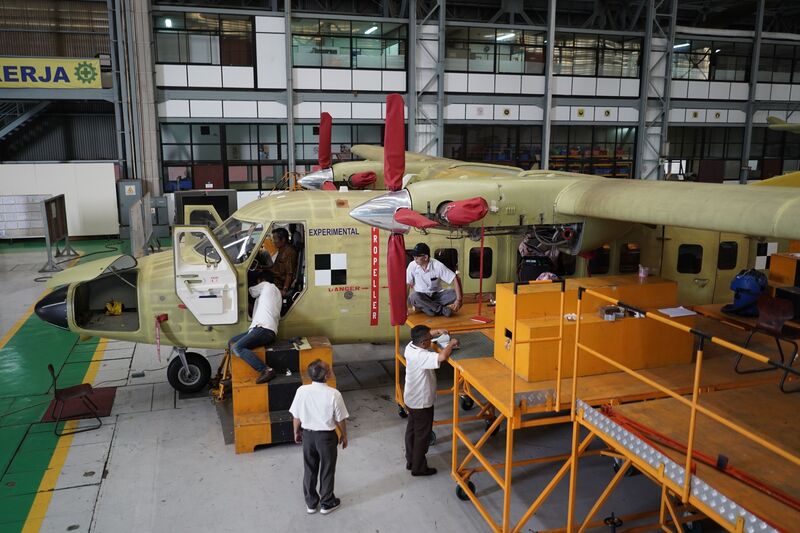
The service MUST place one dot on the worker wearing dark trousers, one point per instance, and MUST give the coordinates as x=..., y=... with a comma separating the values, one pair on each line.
x=420, y=393
x=318, y=411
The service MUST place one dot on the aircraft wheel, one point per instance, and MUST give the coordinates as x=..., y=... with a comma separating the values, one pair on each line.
x=402, y=413
x=467, y=403
x=461, y=495
x=193, y=379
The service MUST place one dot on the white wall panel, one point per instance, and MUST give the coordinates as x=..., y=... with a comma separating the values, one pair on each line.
x=239, y=109
x=508, y=83
x=307, y=110
x=383, y=112
x=171, y=76
x=739, y=91
x=306, y=78
x=677, y=115
x=584, y=86
x=367, y=110
x=270, y=24
x=480, y=83
x=760, y=117
x=530, y=112
x=717, y=115
x=608, y=86
x=367, y=80
x=271, y=110
x=679, y=89
x=338, y=110
x=479, y=112
x=581, y=113
x=336, y=80
x=532, y=84
x=719, y=90
x=629, y=87
x=561, y=113
x=205, y=76
x=455, y=111
x=763, y=91
x=506, y=112
x=605, y=114
x=394, y=80
x=736, y=116
x=695, y=115
x=455, y=82
x=174, y=108
x=205, y=108
x=795, y=94
x=628, y=114
x=271, y=60
x=698, y=90
x=239, y=77
x=780, y=91
x=89, y=189
x=562, y=85
x=430, y=110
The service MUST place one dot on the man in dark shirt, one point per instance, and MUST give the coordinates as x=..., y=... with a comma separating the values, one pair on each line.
x=285, y=264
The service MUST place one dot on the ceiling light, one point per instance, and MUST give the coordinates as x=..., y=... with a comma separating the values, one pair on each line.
x=371, y=30
x=682, y=45
x=718, y=50
x=168, y=23
x=506, y=36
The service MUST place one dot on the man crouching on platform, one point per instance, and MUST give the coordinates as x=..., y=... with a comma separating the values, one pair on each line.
x=420, y=393
x=423, y=275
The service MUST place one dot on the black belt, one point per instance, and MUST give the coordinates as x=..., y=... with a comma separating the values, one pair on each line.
x=320, y=430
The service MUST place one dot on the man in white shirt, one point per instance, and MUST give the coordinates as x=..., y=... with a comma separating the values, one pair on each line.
x=263, y=329
x=318, y=411
x=423, y=275
x=420, y=393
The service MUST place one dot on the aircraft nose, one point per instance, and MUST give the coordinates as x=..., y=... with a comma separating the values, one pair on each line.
x=53, y=308
x=379, y=212
x=314, y=180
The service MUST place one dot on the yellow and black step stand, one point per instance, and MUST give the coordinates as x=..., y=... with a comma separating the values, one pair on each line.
x=261, y=411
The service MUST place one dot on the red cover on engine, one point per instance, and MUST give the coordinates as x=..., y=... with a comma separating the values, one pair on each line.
x=463, y=212
x=394, y=143
x=409, y=217
x=362, y=180
x=396, y=275
x=329, y=186
x=324, y=150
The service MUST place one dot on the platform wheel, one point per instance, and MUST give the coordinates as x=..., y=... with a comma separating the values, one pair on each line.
x=489, y=422
x=401, y=412
x=461, y=495
x=467, y=403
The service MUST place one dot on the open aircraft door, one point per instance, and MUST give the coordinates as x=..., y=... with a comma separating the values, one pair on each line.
x=205, y=279
x=690, y=259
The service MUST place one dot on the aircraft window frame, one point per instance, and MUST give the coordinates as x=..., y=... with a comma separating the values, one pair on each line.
x=629, y=250
x=222, y=233
x=728, y=255
x=688, y=250
x=474, y=262
x=443, y=255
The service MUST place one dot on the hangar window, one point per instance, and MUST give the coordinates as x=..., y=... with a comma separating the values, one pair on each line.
x=690, y=258
x=346, y=44
x=494, y=50
x=519, y=146
x=577, y=54
x=475, y=263
x=448, y=256
x=203, y=39
x=697, y=59
x=600, y=150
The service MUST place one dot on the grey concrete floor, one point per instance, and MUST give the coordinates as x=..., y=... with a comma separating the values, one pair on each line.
x=160, y=462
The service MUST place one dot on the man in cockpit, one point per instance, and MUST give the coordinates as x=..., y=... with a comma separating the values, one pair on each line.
x=263, y=329
x=284, y=266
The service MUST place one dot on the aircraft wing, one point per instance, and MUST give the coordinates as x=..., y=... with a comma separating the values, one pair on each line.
x=375, y=153
x=757, y=211
x=781, y=125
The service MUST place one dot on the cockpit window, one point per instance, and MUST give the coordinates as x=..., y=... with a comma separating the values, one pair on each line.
x=238, y=238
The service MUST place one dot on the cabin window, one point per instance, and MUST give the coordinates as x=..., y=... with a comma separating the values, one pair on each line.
x=475, y=263
x=448, y=256
x=690, y=258
x=629, y=258
x=727, y=256
x=601, y=262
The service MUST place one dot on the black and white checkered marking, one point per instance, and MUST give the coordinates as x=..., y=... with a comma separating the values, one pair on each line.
x=763, y=251
x=330, y=269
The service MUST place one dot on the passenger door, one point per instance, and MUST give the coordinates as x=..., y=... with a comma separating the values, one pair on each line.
x=690, y=259
x=205, y=279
